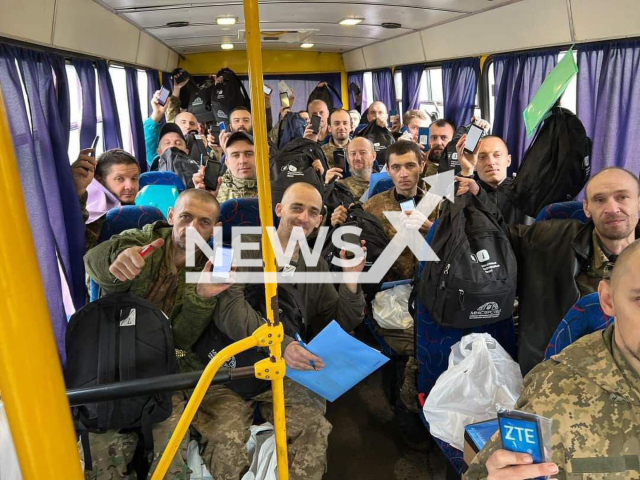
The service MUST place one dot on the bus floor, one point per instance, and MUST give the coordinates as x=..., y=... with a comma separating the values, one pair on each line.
x=367, y=442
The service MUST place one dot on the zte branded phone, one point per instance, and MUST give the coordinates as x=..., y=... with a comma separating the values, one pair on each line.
x=222, y=262
x=408, y=205
x=520, y=433
x=473, y=137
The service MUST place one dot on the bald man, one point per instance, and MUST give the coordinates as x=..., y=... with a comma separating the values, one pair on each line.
x=225, y=416
x=118, y=266
x=591, y=390
x=360, y=156
x=560, y=261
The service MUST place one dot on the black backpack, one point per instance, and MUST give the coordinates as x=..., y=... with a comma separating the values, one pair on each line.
x=380, y=137
x=293, y=164
x=327, y=94
x=114, y=339
x=292, y=126
x=231, y=92
x=175, y=160
x=556, y=166
x=292, y=314
x=336, y=194
x=474, y=283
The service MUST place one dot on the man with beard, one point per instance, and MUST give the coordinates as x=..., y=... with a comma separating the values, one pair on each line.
x=109, y=182
x=339, y=128
x=360, y=155
x=117, y=266
x=560, y=261
x=239, y=121
x=440, y=134
x=591, y=390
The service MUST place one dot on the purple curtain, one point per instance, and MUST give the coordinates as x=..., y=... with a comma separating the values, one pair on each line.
x=518, y=78
x=135, y=117
x=358, y=79
x=153, y=85
x=460, y=85
x=411, y=76
x=110, y=119
x=609, y=103
x=383, y=89
x=167, y=81
x=45, y=176
x=87, y=77
x=58, y=64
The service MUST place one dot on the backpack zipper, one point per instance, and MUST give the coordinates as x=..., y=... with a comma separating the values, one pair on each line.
x=445, y=273
x=461, y=298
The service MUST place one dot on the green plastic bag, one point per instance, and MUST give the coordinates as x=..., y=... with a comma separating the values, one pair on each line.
x=550, y=91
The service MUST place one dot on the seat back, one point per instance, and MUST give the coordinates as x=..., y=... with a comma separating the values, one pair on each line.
x=162, y=178
x=563, y=210
x=585, y=317
x=238, y=212
x=379, y=182
x=163, y=197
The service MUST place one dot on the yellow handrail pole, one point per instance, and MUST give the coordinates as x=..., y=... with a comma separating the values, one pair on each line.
x=345, y=90
x=195, y=400
x=254, y=54
x=31, y=381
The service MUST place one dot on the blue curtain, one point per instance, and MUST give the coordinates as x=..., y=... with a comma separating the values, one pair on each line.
x=110, y=119
x=411, y=76
x=135, y=117
x=358, y=79
x=383, y=89
x=460, y=85
x=45, y=177
x=167, y=81
x=58, y=64
x=153, y=85
x=609, y=103
x=518, y=78
x=87, y=77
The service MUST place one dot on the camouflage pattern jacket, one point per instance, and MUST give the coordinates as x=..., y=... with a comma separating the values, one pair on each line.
x=355, y=185
x=233, y=187
x=593, y=395
x=328, y=149
x=191, y=314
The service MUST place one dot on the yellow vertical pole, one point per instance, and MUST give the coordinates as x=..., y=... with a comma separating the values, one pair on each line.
x=254, y=54
x=345, y=90
x=31, y=381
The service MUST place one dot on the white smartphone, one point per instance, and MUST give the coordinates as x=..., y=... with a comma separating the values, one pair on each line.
x=222, y=262
x=408, y=205
x=473, y=137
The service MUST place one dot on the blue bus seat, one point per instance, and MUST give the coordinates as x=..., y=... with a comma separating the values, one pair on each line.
x=379, y=182
x=585, y=317
x=162, y=178
x=563, y=210
x=238, y=212
x=163, y=197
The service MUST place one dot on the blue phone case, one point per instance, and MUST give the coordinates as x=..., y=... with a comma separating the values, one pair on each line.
x=222, y=126
x=521, y=435
x=423, y=136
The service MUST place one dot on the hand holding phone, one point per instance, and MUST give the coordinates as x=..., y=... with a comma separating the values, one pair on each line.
x=267, y=89
x=211, y=174
x=408, y=205
x=520, y=433
x=222, y=262
x=284, y=100
x=94, y=145
x=423, y=136
x=315, y=123
x=473, y=138
x=164, y=96
x=338, y=159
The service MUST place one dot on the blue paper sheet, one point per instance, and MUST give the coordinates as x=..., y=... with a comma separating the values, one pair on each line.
x=347, y=362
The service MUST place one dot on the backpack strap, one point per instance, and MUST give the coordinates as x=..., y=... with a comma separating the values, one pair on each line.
x=127, y=353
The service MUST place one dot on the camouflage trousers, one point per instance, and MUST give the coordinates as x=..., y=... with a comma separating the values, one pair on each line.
x=112, y=451
x=224, y=419
x=401, y=341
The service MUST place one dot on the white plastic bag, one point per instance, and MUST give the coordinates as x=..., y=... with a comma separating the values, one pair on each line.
x=262, y=451
x=391, y=308
x=480, y=374
x=196, y=463
x=9, y=467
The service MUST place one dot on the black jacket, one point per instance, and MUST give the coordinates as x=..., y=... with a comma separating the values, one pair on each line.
x=511, y=214
x=550, y=254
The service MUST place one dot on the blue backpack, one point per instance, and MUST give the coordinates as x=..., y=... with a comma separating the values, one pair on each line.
x=291, y=127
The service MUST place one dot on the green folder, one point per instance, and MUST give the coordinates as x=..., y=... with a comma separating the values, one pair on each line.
x=550, y=91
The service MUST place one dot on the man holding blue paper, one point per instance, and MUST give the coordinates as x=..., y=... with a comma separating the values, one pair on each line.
x=226, y=415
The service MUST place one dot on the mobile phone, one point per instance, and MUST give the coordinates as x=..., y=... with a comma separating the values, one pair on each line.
x=222, y=262
x=338, y=159
x=315, y=123
x=520, y=433
x=423, y=136
x=211, y=174
x=284, y=99
x=164, y=96
x=267, y=89
x=94, y=145
x=215, y=131
x=350, y=238
x=283, y=87
x=354, y=88
x=473, y=137
x=408, y=205
x=222, y=126
x=181, y=76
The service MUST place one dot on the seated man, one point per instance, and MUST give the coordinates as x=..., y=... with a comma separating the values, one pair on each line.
x=583, y=254
x=360, y=156
x=318, y=107
x=224, y=416
x=239, y=181
x=117, y=266
x=491, y=161
x=441, y=132
x=591, y=391
x=378, y=111
x=339, y=128
x=240, y=120
x=109, y=182
x=355, y=120
x=153, y=133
